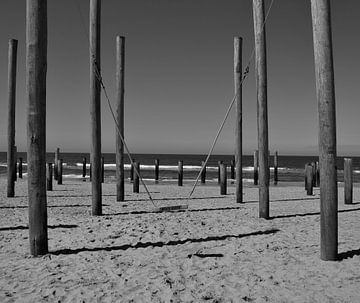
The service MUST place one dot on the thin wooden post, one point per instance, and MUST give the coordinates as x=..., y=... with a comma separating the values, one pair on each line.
x=102, y=169
x=180, y=173
x=219, y=164
x=12, y=62
x=232, y=169
x=120, y=91
x=36, y=65
x=223, y=179
x=60, y=171
x=157, y=170
x=49, y=176
x=309, y=179
x=317, y=174
x=15, y=163
x=203, y=173
x=20, y=167
x=84, y=168
x=276, y=168
x=95, y=106
x=136, y=184
x=132, y=170
x=262, y=116
x=313, y=165
x=348, y=181
x=238, y=125
x=56, y=159
x=256, y=167
x=324, y=74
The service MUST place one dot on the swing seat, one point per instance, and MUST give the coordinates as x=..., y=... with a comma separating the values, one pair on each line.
x=172, y=208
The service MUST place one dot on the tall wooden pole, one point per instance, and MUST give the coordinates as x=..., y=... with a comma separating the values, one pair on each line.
x=180, y=173
x=223, y=179
x=120, y=88
x=238, y=126
x=36, y=65
x=12, y=62
x=348, y=181
x=136, y=183
x=203, y=173
x=325, y=91
x=95, y=90
x=157, y=162
x=262, y=116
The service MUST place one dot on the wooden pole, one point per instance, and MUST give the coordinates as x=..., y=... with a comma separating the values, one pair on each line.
x=262, y=116
x=256, y=167
x=90, y=172
x=157, y=162
x=20, y=167
x=136, y=178
x=219, y=164
x=95, y=107
x=102, y=169
x=203, y=173
x=12, y=62
x=223, y=179
x=180, y=173
x=132, y=171
x=60, y=171
x=49, y=176
x=238, y=125
x=120, y=90
x=36, y=65
x=276, y=168
x=232, y=169
x=84, y=168
x=317, y=174
x=14, y=167
x=309, y=179
x=324, y=74
x=348, y=181
x=56, y=159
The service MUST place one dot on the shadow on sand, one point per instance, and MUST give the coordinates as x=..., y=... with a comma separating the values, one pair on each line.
x=27, y=227
x=311, y=214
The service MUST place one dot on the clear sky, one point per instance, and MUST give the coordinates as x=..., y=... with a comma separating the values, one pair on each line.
x=179, y=74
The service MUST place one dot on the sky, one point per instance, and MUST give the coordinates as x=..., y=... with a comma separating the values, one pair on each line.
x=179, y=75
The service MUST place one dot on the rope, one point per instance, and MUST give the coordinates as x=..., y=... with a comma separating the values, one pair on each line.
x=246, y=72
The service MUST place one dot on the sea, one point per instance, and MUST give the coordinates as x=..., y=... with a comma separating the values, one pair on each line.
x=290, y=168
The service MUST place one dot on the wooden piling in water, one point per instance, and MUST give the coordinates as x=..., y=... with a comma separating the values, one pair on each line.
x=276, y=168
x=36, y=65
x=95, y=106
x=348, y=181
x=12, y=63
x=324, y=74
x=223, y=179
x=203, y=173
x=20, y=167
x=84, y=167
x=56, y=159
x=262, y=116
x=180, y=173
x=60, y=171
x=309, y=179
x=157, y=162
x=256, y=167
x=49, y=176
x=120, y=91
x=238, y=123
x=136, y=183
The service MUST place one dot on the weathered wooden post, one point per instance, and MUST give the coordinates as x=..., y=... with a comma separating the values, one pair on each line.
x=20, y=167
x=313, y=165
x=132, y=170
x=12, y=62
x=219, y=164
x=49, y=176
x=348, y=181
x=232, y=169
x=317, y=174
x=36, y=65
x=276, y=168
x=180, y=173
x=223, y=179
x=120, y=91
x=256, y=167
x=157, y=170
x=84, y=167
x=60, y=171
x=203, y=173
x=56, y=159
x=309, y=179
x=262, y=116
x=324, y=74
x=238, y=125
x=136, y=178
x=102, y=169
x=15, y=163
x=95, y=107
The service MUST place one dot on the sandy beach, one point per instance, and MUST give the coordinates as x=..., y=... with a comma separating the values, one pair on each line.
x=217, y=251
